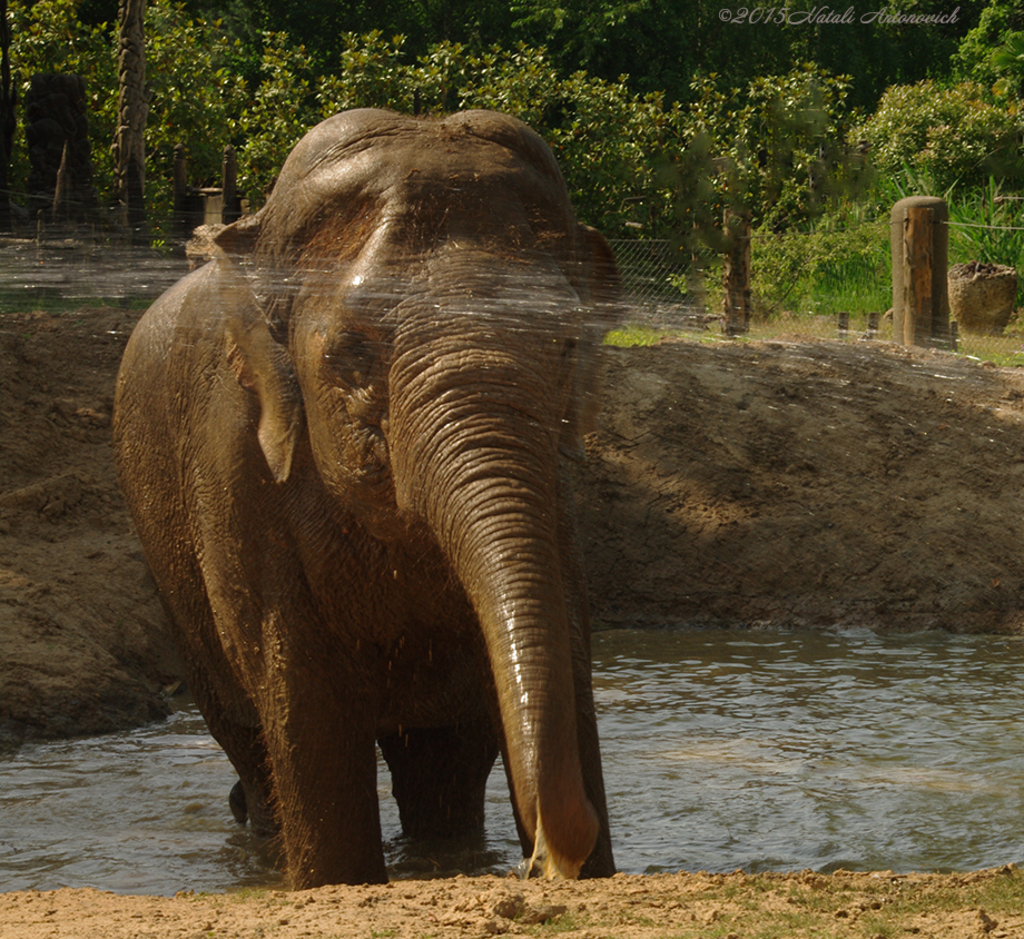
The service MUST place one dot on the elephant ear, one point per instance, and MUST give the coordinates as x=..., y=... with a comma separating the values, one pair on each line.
x=599, y=289
x=261, y=363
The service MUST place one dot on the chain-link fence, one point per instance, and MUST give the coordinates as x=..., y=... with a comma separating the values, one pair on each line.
x=664, y=293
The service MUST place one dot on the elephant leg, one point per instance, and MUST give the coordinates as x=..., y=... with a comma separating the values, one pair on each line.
x=601, y=863
x=324, y=765
x=439, y=777
x=252, y=798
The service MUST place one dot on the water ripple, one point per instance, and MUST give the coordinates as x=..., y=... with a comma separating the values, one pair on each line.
x=722, y=750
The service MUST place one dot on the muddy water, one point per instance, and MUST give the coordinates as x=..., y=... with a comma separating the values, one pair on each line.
x=723, y=750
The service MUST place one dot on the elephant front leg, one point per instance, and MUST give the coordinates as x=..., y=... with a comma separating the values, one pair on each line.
x=324, y=765
x=439, y=777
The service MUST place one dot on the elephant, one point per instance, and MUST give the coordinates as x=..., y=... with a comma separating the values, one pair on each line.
x=345, y=445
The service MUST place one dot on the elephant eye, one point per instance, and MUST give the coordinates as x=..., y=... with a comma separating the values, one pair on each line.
x=351, y=357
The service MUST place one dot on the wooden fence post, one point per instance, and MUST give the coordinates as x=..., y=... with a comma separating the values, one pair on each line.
x=919, y=240
x=918, y=301
x=736, y=273
x=229, y=183
x=181, y=226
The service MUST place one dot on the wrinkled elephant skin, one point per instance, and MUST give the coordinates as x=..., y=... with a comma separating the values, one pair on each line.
x=342, y=443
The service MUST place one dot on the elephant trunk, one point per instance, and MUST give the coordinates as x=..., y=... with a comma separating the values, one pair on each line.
x=474, y=455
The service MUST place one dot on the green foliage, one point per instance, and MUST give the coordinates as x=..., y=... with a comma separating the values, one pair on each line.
x=1008, y=63
x=841, y=264
x=283, y=107
x=192, y=98
x=191, y=92
x=973, y=59
x=953, y=135
x=776, y=146
x=372, y=73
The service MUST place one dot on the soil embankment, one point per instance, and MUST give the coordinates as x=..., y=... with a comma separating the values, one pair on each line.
x=803, y=484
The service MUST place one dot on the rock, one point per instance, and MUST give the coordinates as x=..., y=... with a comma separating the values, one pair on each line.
x=981, y=296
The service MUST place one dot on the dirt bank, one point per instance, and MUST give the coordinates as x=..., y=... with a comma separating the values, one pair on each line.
x=798, y=483
x=680, y=906
x=808, y=484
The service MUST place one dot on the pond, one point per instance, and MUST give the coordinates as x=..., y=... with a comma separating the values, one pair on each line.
x=723, y=749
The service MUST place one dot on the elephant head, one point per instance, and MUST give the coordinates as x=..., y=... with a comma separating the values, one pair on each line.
x=414, y=316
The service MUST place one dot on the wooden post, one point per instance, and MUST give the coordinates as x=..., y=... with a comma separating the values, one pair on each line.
x=844, y=324
x=736, y=273
x=182, y=229
x=917, y=276
x=60, y=211
x=919, y=244
x=132, y=107
x=229, y=184
x=8, y=117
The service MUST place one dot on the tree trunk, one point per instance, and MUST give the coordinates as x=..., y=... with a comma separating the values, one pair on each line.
x=129, y=146
x=8, y=118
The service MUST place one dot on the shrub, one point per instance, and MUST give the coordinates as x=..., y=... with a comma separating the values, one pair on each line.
x=777, y=144
x=841, y=263
x=952, y=135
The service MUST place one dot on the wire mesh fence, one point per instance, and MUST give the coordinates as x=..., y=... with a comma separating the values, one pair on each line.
x=664, y=293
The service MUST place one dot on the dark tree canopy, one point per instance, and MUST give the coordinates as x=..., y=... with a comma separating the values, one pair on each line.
x=660, y=44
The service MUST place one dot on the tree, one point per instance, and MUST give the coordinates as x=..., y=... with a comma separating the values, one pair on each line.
x=8, y=117
x=1008, y=63
x=950, y=135
x=132, y=106
x=997, y=22
x=778, y=144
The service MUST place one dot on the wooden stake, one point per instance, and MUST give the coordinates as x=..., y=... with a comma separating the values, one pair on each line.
x=917, y=276
x=736, y=273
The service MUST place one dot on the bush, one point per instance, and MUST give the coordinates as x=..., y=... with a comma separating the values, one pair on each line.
x=841, y=264
x=778, y=145
x=950, y=135
x=283, y=107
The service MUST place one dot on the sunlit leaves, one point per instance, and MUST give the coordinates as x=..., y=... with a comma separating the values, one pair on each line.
x=952, y=135
x=779, y=144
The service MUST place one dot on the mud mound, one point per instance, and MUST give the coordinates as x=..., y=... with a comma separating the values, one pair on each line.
x=83, y=643
x=804, y=484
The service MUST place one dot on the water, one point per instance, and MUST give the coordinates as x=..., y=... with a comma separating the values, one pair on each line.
x=756, y=750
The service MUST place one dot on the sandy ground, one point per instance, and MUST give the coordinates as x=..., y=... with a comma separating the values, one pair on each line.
x=681, y=906
x=780, y=483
